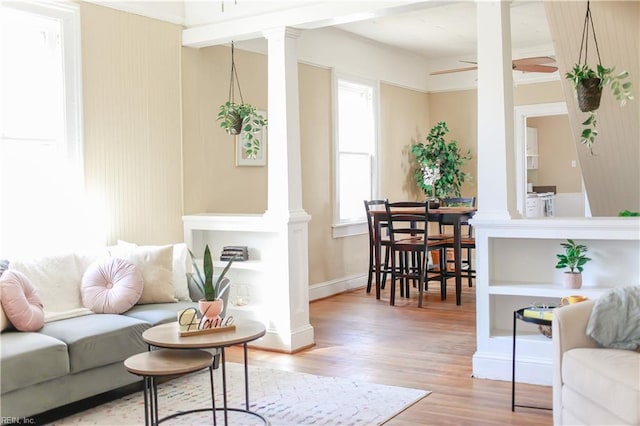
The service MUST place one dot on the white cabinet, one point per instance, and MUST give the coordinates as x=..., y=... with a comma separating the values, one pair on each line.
x=516, y=267
x=531, y=142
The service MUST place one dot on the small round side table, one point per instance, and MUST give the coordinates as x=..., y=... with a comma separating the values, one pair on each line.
x=167, y=362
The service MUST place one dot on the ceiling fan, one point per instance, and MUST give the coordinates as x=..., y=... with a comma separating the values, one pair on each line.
x=534, y=64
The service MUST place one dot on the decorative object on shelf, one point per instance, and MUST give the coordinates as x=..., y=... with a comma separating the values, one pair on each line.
x=570, y=300
x=238, y=253
x=241, y=296
x=589, y=83
x=212, y=304
x=241, y=118
x=574, y=259
x=438, y=172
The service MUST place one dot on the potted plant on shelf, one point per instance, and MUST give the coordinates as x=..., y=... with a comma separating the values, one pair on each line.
x=212, y=304
x=574, y=259
x=439, y=164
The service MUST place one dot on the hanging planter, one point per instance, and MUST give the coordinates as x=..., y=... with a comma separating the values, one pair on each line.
x=240, y=118
x=589, y=93
x=589, y=83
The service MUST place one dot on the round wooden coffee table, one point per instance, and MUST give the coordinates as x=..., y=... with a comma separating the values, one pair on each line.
x=168, y=336
x=166, y=362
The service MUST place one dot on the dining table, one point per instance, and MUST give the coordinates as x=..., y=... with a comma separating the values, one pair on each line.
x=457, y=214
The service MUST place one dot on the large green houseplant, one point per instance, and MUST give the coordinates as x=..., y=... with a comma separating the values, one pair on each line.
x=244, y=120
x=439, y=164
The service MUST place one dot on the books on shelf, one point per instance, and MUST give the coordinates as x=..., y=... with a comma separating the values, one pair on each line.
x=241, y=253
x=545, y=313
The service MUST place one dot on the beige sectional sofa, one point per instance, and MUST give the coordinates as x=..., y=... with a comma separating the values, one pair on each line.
x=77, y=353
x=592, y=385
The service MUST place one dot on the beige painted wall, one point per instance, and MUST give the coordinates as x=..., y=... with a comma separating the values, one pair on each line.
x=132, y=123
x=212, y=181
x=556, y=151
x=404, y=119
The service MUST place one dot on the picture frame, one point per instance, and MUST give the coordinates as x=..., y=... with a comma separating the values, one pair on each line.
x=241, y=154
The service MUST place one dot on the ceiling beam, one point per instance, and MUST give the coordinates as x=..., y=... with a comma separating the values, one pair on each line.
x=313, y=15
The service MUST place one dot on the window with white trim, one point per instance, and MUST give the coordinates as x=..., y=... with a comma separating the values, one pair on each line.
x=41, y=162
x=356, y=136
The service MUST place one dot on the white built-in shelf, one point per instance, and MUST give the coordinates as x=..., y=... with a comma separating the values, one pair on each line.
x=516, y=267
x=246, y=265
x=542, y=290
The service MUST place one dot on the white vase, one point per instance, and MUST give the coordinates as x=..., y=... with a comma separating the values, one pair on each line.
x=572, y=280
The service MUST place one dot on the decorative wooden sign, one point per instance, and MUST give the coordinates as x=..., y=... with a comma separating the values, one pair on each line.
x=190, y=325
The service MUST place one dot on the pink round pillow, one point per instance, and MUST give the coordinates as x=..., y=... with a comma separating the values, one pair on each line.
x=21, y=301
x=111, y=287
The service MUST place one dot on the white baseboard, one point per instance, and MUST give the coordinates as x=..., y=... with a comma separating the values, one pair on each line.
x=536, y=371
x=329, y=288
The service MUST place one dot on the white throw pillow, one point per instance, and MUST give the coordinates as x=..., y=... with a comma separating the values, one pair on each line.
x=179, y=267
x=156, y=265
x=58, y=280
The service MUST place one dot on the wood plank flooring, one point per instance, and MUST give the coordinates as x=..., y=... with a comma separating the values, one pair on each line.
x=363, y=338
x=366, y=339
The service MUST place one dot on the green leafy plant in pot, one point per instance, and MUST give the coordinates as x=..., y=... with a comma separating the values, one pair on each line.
x=588, y=85
x=212, y=304
x=242, y=119
x=439, y=164
x=573, y=258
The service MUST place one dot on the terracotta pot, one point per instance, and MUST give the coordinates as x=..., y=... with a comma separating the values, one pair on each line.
x=572, y=280
x=211, y=309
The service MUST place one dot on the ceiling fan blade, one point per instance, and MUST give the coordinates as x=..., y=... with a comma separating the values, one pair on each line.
x=453, y=70
x=538, y=60
x=535, y=68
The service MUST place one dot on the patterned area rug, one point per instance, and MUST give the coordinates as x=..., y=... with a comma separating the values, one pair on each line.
x=282, y=397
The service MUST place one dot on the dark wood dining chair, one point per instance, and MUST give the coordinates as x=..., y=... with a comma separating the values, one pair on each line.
x=410, y=247
x=369, y=206
x=468, y=241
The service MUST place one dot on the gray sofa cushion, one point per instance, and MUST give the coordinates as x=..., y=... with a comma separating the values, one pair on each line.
x=99, y=339
x=159, y=313
x=31, y=358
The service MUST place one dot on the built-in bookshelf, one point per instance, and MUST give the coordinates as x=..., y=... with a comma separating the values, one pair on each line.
x=274, y=262
x=516, y=267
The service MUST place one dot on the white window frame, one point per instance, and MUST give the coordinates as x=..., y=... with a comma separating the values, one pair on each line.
x=356, y=227
x=68, y=14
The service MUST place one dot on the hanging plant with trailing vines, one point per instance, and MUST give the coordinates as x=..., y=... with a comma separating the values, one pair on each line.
x=240, y=118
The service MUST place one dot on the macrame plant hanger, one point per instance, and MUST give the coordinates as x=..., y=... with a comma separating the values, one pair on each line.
x=233, y=82
x=589, y=92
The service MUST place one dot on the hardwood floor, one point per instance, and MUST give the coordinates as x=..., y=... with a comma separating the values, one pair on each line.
x=366, y=339
x=362, y=338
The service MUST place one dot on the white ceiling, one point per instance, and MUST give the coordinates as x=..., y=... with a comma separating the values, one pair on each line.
x=450, y=29
x=431, y=29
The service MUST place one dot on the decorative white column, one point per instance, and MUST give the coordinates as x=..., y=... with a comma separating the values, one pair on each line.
x=286, y=301
x=496, y=152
